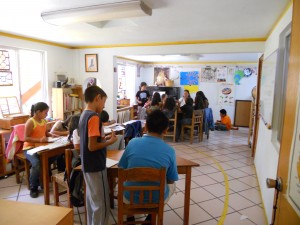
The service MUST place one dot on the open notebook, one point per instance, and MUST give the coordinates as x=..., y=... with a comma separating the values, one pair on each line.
x=110, y=162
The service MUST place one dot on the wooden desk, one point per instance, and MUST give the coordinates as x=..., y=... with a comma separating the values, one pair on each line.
x=13, y=212
x=184, y=166
x=44, y=156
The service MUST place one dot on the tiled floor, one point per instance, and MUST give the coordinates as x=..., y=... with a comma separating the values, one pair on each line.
x=224, y=188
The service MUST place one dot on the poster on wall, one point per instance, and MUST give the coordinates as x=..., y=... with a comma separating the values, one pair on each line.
x=208, y=74
x=294, y=168
x=226, y=94
x=189, y=78
x=221, y=74
x=161, y=74
x=191, y=88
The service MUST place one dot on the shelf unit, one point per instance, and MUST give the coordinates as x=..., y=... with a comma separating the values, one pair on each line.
x=66, y=101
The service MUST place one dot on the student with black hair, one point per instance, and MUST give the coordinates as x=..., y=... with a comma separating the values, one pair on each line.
x=182, y=100
x=142, y=96
x=73, y=131
x=225, y=122
x=104, y=116
x=151, y=151
x=60, y=127
x=186, y=118
x=36, y=132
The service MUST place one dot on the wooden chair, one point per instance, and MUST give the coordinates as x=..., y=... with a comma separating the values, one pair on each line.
x=58, y=179
x=172, y=122
x=20, y=157
x=197, y=121
x=149, y=207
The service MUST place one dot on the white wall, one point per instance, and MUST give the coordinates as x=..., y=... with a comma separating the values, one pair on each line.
x=58, y=60
x=266, y=156
x=211, y=90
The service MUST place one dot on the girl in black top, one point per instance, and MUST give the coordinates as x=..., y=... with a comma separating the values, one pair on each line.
x=187, y=114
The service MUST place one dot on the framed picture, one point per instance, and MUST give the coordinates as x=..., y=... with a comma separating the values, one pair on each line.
x=91, y=63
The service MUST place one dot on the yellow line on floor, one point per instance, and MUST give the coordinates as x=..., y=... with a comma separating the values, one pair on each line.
x=225, y=208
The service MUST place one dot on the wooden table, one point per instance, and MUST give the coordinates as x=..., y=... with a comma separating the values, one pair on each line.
x=44, y=157
x=25, y=213
x=184, y=166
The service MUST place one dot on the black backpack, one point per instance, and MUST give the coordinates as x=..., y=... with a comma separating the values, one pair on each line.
x=76, y=183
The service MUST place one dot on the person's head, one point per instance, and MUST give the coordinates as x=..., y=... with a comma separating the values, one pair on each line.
x=199, y=104
x=96, y=97
x=143, y=86
x=189, y=101
x=40, y=110
x=66, y=122
x=163, y=97
x=155, y=99
x=186, y=94
x=104, y=117
x=157, y=122
x=73, y=125
x=223, y=112
x=201, y=94
x=170, y=104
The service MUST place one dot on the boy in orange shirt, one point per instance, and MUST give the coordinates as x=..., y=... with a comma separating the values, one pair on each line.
x=224, y=123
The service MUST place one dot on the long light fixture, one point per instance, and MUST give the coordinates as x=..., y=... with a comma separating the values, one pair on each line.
x=94, y=13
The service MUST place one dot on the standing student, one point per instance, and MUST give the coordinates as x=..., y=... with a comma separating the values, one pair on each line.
x=151, y=151
x=36, y=132
x=142, y=96
x=93, y=156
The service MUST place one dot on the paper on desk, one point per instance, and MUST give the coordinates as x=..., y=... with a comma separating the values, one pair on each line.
x=110, y=162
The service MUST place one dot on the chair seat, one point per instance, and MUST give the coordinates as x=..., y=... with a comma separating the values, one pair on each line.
x=59, y=178
x=21, y=157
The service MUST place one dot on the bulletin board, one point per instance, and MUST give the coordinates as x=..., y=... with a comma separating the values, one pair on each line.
x=267, y=86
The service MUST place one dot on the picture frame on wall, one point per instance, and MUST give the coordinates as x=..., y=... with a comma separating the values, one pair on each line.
x=91, y=63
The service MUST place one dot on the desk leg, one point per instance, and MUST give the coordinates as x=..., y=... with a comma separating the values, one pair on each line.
x=45, y=169
x=187, y=195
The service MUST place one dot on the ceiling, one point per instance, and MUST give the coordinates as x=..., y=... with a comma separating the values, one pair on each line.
x=171, y=21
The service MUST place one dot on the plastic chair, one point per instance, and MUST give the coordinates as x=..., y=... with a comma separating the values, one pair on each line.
x=197, y=121
x=143, y=206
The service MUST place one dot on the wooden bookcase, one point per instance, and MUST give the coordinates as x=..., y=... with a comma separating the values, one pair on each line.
x=66, y=101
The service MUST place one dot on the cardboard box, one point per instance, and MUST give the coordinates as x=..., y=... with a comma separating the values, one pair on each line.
x=8, y=122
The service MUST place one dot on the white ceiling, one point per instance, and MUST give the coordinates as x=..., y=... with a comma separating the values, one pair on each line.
x=171, y=21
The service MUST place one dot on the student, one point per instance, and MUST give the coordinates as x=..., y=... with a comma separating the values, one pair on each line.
x=73, y=131
x=225, y=122
x=186, y=94
x=93, y=156
x=36, y=132
x=151, y=151
x=142, y=96
x=163, y=99
x=201, y=101
x=105, y=119
x=169, y=107
x=186, y=118
x=60, y=127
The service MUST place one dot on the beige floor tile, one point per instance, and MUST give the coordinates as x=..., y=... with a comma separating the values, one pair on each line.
x=237, y=186
x=248, y=169
x=207, y=161
x=200, y=195
x=235, y=156
x=216, y=190
x=224, y=165
x=237, y=202
x=197, y=214
x=252, y=194
x=235, y=173
x=181, y=185
x=222, y=158
x=249, y=180
x=207, y=169
x=255, y=214
x=236, y=219
x=203, y=180
x=235, y=163
x=196, y=171
x=8, y=182
x=171, y=217
x=209, y=222
x=8, y=192
x=214, y=207
x=224, y=151
x=177, y=200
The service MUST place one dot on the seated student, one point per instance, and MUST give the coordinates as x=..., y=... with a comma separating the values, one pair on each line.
x=36, y=132
x=186, y=118
x=224, y=123
x=73, y=131
x=163, y=99
x=155, y=103
x=60, y=127
x=169, y=107
x=119, y=144
x=151, y=151
x=201, y=101
x=181, y=101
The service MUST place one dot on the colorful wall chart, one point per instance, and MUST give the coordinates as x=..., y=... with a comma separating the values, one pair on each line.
x=226, y=94
x=208, y=74
x=189, y=78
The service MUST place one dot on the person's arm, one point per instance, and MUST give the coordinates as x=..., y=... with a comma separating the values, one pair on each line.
x=172, y=173
x=59, y=133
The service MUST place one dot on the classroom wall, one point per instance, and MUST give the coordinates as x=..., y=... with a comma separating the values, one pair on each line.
x=58, y=60
x=211, y=90
x=266, y=156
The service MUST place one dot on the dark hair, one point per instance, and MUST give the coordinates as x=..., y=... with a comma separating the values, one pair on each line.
x=143, y=84
x=91, y=92
x=66, y=122
x=223, y=111
x=201, y=94
x=189, y=101
x=163, y=95
x=170, y=104
x=104, y=117
x=199, y=102
x=157, y=122
x=40, y=106
x=74, y=122
x=187, y=91
x=156, y=99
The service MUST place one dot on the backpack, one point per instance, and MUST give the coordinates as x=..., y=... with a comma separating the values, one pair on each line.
x=76, y=183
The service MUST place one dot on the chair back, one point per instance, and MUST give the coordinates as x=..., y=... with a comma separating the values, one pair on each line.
x=172, y=121
x=70, y=155
x=145, y=203
x=198, y=116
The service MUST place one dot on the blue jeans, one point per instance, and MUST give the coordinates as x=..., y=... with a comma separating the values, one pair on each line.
x=35, y=168
x=220, y=126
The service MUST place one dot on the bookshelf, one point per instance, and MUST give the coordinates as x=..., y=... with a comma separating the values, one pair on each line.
x=66, y=101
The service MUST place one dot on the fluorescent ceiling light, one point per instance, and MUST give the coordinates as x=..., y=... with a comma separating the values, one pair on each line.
x=96, y=13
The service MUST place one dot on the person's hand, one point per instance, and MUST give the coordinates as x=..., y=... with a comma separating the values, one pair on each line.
x=43, y=139
x=113, y=137
x=112, y=121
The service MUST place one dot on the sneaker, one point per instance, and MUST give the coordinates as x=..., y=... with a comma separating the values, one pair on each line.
x=34, y=193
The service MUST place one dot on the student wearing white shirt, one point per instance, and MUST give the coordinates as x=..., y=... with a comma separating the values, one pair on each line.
x=73, y=131
x=181, y=101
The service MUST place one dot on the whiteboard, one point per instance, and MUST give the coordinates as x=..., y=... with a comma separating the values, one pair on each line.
x=267, y=86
